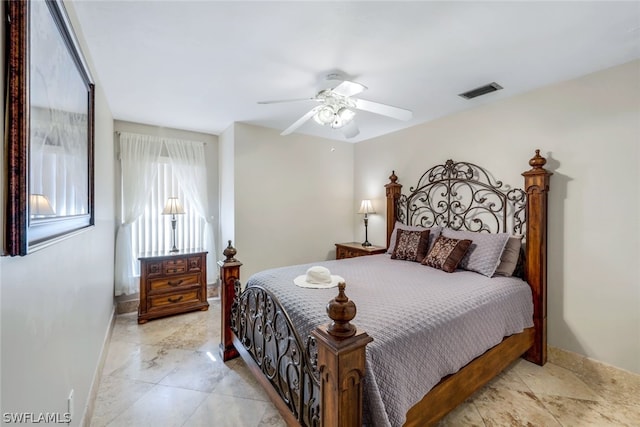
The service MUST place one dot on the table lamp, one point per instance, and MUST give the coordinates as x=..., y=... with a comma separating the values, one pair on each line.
x=173, y=207
x=366, y=208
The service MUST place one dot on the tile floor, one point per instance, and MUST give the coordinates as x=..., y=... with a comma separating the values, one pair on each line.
x=168, y=373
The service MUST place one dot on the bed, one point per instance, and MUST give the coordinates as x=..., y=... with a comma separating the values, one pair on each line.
x=418, y=350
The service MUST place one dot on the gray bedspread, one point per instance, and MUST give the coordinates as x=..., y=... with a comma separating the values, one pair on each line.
x=425, y=323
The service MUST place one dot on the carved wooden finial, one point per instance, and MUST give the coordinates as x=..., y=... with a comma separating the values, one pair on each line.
x=537, y=162
x=230, y=253
x=393, y=178
x=341, y=310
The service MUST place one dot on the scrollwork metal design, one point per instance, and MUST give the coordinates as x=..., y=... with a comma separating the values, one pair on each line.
x=237, y=289
x=463, y=196
x=289, y=363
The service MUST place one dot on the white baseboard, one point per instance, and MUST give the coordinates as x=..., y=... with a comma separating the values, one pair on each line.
x=97, y=375
x=581, y=364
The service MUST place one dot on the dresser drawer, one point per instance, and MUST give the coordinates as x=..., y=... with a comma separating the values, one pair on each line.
x=194, y=263
x=174, y=266
x=174, y=282
x=342, y=253
x=167, y=300
x=153, y=268
x=353, y=249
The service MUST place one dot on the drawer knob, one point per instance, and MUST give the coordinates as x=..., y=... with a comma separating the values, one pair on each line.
x=176, y=283
x=175, y=299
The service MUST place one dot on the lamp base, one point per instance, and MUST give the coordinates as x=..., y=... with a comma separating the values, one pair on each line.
x=173, y=234
x=366, y=232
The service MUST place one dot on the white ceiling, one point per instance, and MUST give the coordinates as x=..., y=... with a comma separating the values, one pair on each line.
x=202, y=65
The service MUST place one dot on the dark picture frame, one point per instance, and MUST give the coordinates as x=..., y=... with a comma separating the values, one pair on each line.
x=49, y=128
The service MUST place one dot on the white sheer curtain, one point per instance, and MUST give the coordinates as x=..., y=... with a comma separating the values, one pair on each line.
x=139, y=155
x=58, y=160
x=187, y=161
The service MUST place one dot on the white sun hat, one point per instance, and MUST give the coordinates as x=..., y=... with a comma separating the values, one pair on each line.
x=318, y=277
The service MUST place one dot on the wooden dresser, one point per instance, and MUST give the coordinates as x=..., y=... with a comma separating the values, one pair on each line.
x=172, y=283
x=355, y=249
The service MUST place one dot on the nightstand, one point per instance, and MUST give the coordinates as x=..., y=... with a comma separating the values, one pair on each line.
x=172, y=283
x=355, y=249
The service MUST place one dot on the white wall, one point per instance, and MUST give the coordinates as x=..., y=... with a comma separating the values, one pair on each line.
x=293, y=197
x=56, y=304
x=589, y=130
x=226, y=166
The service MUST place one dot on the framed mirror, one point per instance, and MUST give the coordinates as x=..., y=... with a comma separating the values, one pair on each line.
x=49, y=128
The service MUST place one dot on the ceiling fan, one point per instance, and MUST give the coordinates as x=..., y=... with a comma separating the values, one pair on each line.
x=336, y=108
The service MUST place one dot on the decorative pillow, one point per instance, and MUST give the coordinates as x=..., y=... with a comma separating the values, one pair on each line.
x=519, y=271
x=484, y=253
x=411, y=245
x=447, y=253
x=509, y=257
x=434, y=233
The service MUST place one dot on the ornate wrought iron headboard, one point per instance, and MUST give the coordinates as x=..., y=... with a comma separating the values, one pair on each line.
x=463, y=196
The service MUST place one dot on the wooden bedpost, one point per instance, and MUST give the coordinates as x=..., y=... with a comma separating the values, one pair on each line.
x=229, y=273
x=393, y=194
x=536, y=183
x=341, y=363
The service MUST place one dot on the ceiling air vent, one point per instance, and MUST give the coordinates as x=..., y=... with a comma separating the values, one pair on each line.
x=482, y=90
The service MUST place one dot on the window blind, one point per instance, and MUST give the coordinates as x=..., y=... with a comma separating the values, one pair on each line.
x=151, y=232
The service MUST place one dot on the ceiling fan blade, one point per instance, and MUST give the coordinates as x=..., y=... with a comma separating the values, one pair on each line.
x=347, y=88
x=383, y=109
x=300, y=121
x=350, y=130
x=278, y=101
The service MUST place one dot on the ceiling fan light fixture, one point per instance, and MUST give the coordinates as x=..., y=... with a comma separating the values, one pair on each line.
x=343, y=117
x=325, y=115
x=337, y=108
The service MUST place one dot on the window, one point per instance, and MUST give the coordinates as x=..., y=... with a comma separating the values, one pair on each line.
x=151, y=168
x=151, y=232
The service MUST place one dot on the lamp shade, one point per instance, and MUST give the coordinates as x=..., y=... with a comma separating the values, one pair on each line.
x=335, y=113
x=173, y=207
x=343, y=117
x=366, y=207
x=325, y=115
x=39, y=205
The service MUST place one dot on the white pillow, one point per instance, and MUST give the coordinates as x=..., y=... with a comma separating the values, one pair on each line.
x=433, y=234
x=483, y=256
